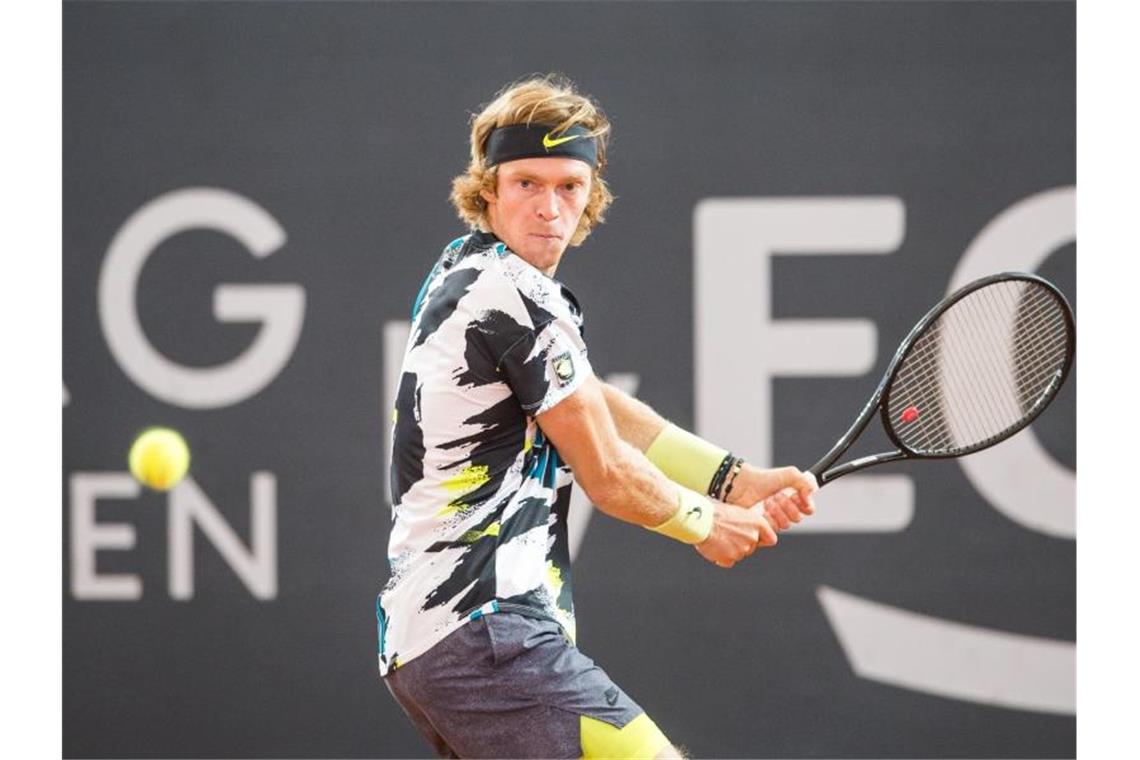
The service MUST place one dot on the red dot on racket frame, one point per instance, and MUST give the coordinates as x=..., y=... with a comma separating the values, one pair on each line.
x=910, y=414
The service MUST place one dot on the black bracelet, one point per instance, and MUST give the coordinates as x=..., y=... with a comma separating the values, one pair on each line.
x=737, y=466
x=721, y=472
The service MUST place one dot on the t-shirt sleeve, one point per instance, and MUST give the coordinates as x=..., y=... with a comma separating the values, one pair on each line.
x=546, y=365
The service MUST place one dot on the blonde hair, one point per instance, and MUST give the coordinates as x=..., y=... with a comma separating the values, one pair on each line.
x=550, y=99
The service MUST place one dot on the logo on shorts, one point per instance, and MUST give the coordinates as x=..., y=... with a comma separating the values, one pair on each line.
x=611, y=696
x=563, y=368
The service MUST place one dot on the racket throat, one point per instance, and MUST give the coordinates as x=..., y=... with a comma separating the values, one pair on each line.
x=824, y=476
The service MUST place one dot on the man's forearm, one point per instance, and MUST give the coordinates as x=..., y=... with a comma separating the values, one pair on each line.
x=634, y=490
x=636, y=422
x=685, y=458
x=616, y=475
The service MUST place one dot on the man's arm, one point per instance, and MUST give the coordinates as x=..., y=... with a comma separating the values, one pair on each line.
x=621, y=482
x=780, y=488
x=635, y=420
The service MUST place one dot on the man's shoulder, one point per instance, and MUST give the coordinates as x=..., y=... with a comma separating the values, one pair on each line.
x=456, y=245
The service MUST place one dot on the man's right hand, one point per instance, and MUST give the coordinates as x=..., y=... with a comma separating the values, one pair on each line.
x=736, y=533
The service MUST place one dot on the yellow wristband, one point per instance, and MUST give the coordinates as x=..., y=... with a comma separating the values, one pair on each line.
x=693, y=520
x=685, y=458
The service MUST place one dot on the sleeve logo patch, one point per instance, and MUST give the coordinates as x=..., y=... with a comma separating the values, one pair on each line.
x=563, y=368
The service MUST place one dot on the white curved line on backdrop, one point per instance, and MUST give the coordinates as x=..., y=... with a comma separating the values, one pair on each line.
x=923, y=653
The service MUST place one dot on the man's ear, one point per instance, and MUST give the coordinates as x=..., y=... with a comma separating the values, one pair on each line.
x=487, y=196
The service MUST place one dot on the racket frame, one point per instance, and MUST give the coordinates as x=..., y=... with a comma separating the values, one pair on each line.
x=880, y=399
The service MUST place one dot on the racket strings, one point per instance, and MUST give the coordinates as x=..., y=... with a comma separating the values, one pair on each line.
x=940, y=432
x=1027, y=383
x=924, y=363
x=1026, y=360
x=980, y=369
x=1048, y=348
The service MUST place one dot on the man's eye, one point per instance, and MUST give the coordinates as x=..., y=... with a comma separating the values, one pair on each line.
x=524, y=183
x=571, y=186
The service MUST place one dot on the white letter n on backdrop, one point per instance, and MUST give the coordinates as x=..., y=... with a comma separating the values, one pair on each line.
x=734, y=242
x=255, y=566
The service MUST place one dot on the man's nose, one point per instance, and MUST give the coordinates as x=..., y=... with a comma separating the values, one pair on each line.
x=548, y=206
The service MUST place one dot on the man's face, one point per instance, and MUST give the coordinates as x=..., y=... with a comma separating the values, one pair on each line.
x=537, y=205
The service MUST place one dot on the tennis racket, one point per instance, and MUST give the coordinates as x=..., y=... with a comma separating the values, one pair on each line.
x=979, y=367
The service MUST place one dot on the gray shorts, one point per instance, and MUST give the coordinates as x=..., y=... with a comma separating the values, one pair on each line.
x=507, y=685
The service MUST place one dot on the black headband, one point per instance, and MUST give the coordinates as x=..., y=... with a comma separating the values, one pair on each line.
x=539, y=141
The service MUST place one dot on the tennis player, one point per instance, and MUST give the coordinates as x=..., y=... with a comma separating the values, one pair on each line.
x=497, y=407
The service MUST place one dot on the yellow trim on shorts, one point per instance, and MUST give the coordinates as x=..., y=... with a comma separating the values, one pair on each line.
x=640, y=738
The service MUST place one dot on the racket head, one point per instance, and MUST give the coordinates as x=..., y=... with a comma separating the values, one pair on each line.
x=978, y=367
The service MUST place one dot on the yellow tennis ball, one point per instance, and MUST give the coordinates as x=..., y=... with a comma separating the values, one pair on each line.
x=159, y=458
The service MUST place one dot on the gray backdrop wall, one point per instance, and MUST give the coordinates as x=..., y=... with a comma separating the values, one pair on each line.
x=253, y=193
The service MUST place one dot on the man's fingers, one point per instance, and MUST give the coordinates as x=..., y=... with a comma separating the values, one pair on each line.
x=806, y=492
x=720, y=561
x=803, y=482
x=789, y=502
x=767, y=534
x=800, y=506
x=812, y=482
x=783, y=509
x=806, y=504
x=800, y=501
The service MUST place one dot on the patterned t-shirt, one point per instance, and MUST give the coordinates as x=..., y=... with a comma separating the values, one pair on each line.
x=479, y=495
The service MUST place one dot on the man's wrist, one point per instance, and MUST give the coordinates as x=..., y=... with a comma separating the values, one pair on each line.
x=744, y=492
x=730, y=479
x=692, y=522
x=689, y=460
